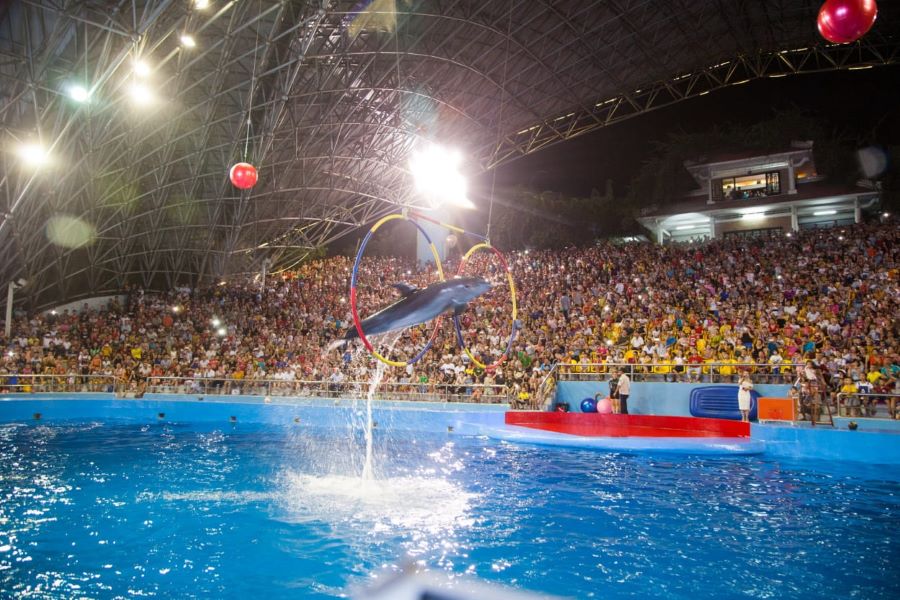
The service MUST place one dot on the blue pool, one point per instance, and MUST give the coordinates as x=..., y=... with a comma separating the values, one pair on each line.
x=139, y=504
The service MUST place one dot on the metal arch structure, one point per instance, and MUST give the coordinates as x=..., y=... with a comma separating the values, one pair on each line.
x=327, y=98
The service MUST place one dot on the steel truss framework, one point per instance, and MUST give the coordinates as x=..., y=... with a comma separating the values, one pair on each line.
x=328, y=98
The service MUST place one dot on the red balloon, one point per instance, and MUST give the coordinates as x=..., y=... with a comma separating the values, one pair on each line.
x=243, y=176
x=167, y=321
x=845, y=21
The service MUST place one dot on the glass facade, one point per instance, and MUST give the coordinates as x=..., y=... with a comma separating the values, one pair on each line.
x=752, y=186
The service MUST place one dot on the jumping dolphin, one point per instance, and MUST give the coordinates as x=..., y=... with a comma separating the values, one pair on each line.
x=422, y=305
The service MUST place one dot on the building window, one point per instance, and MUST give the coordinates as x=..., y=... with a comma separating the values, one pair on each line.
x=752, y=186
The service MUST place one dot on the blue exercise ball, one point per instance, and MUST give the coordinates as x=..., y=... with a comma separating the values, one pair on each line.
x=588, y=405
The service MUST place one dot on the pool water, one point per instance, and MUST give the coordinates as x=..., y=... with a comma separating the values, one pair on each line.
x=118, y=509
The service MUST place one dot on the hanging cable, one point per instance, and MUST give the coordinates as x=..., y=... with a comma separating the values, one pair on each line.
x=500, y=115
x=252, y=82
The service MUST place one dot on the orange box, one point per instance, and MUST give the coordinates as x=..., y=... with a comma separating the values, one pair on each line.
x=775, y=409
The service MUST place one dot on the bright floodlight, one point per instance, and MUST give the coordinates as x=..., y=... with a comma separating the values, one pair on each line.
x=79, y=93
x=201, y=4
x=141, y=69
x=216, y=322
x=141, y=94
x=33, y=154
x=436, y=173
x=188, y=41
x=221, y=331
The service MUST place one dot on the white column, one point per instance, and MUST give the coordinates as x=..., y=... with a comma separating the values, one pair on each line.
x=795, y=222
x=857, y=211
x=792, y=178
x=10, y=292
x=265, y=268
x=660, y=236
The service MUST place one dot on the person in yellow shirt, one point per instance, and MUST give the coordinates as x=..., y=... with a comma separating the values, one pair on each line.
x=850, y=405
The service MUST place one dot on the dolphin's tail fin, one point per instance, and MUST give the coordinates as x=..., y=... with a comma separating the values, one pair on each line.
x=339, y=343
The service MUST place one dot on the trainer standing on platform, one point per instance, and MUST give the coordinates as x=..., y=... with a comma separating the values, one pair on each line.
x=623, y=389
x=744, y=397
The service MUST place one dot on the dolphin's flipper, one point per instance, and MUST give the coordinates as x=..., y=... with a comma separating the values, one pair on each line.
x=405, y=289
x=458, y=307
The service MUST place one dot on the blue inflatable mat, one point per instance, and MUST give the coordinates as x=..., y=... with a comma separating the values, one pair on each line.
x=719, y=402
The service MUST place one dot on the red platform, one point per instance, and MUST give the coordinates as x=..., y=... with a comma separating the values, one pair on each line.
x=608, y=425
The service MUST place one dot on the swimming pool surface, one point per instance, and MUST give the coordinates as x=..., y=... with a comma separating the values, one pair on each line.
x=207, y=510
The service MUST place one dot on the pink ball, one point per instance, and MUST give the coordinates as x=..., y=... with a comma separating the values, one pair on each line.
x=243, y=176
x=845, y=21
x=604, y=406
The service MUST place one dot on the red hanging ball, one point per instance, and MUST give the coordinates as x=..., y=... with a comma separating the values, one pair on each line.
x=243, y=175
x=845, y=21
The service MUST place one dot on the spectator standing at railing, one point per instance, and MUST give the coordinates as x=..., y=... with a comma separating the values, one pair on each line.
x=623, y=390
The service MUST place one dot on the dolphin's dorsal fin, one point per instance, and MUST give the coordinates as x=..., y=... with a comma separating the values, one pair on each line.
x=404, y=288
x=458, y=307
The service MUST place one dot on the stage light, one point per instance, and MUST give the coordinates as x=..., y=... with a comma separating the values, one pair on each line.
x=176, y=309
x=885, y=214
x=215, y=322
x=33, y=154
x=79, y=93
x=141, y=94
x=201, y=4
x=823, y=213
x=753, y=214
x=188, y=41
x=141, y=68
x=221, y=331
x=435, y=170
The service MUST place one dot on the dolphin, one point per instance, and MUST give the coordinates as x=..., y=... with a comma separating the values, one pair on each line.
x=420, y=305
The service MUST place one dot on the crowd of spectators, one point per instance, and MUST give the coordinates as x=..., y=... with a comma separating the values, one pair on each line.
x=827, y=298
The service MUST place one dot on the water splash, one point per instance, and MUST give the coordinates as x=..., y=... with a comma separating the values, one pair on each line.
x=368, y=473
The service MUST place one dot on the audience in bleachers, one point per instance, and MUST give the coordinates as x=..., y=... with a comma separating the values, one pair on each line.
x=685, y=312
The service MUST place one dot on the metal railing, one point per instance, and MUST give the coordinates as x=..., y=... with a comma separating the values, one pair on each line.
x=717, y=372
x=429, y=392
x=210, y=386
x=44, y=382
x=865, y=405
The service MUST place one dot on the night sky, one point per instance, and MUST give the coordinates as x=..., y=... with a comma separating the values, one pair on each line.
x=858, y=99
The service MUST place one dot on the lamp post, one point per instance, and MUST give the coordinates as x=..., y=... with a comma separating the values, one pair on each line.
x=10, y=295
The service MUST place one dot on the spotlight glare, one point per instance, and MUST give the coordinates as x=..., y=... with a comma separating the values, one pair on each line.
x=221, y=331
x=141, y=69
x=188, y=41
x=824, y=213
x=141, y=94
x=201, y=4
x=435, y=171
x=79, y=93
x=215, y=322
x=33, y=154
